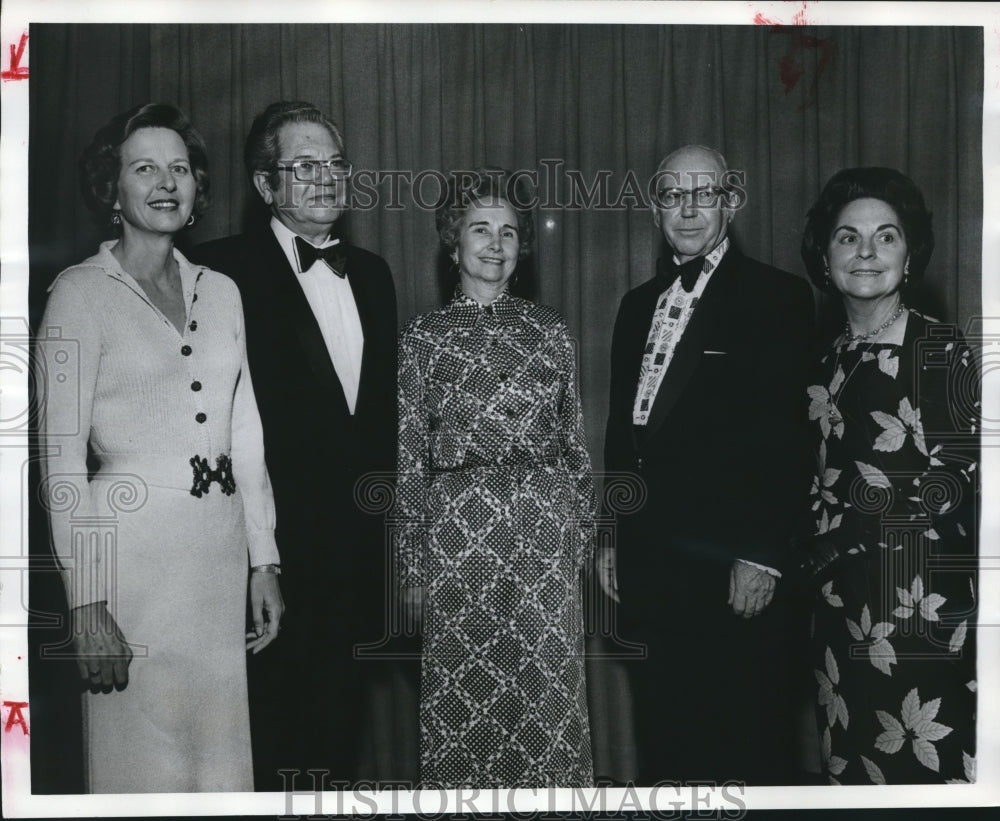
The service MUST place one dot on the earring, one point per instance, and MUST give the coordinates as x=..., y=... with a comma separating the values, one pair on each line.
x=190, y=221
x=906, y=274
x=116, y=217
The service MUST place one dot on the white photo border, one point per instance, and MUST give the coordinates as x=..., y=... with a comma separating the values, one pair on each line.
x=17, y=15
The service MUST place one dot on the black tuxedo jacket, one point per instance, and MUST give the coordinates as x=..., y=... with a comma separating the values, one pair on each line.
x=314, y=447
x=308, y=690
x=724, y=457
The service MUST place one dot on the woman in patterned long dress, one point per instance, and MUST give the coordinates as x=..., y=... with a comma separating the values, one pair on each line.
x=143, y=362
x=496, y=501
x=894, y=502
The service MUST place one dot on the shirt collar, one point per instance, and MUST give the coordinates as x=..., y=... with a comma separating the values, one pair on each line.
x=504, y=307
x=286, y=239
x=713, y=257
x=190, y=274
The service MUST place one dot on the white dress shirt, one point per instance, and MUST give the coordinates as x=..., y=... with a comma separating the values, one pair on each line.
x=332, y=302
x=674, y=310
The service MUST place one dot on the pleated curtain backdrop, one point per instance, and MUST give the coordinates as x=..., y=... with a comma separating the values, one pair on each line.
x=789, y=106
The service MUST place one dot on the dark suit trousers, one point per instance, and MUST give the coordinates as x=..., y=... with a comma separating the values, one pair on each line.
x=309, y=696
x=290, y=729
x=711, y=700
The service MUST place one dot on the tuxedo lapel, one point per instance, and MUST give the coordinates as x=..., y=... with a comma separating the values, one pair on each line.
x=293, y=304
x=688, y=353
x=368, y=315
x=630, y=359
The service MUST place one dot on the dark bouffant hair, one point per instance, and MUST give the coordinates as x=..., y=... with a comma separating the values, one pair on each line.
x=101, y=165
x=893, y=188
x=485, y=186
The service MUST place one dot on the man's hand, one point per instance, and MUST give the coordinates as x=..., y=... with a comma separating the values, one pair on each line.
x=266, y=609
x=102, y=654
x=607, y=574
x=750, y=589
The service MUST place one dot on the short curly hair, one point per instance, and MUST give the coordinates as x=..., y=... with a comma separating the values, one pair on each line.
x=886, y=184
x=486, y=185
x=101, y=161
x=262, y=151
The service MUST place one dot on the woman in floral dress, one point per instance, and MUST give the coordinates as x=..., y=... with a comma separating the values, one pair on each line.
x=895, y=409
x=496, y=501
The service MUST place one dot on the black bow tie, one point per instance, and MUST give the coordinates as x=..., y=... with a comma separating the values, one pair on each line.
x=687, y=271
x=333, y=255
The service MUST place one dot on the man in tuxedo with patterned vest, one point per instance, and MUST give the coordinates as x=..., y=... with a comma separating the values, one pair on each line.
x=321, y=342
x=708, y=375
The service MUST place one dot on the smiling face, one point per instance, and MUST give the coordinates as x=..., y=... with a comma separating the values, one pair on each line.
x=488, y=247
x=867, y=251
x=156, y=189
x=691, y=229
x=309, y=209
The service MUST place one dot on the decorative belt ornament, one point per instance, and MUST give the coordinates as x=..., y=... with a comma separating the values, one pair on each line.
x=205, y=475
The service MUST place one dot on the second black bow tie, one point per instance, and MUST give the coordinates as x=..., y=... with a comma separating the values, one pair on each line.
x=687, y=271
x=333, y=255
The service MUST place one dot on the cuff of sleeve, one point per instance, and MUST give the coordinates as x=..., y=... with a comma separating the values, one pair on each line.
x=410, y=547
x=85, y=585
x=411, y=574
x=587, y=535
x=412, y=579
x=262, y=547
x=769, y=570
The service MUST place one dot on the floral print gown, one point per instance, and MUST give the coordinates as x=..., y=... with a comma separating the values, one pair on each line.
x=893, y=646
x=496, y=505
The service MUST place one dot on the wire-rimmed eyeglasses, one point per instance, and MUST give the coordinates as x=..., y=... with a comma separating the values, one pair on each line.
x=312, y=170
x=705, y=197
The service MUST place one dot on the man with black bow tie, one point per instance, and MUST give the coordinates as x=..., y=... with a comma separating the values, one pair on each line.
x=321, y=342
x=708, y=376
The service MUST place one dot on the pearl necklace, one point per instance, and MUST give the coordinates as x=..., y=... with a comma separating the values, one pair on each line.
x=849, y=338
x=861, y=337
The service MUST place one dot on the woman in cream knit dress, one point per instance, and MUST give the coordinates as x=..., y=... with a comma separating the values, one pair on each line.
x=142, y=361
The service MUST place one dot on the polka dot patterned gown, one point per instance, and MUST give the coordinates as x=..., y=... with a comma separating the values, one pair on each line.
x=496, y=506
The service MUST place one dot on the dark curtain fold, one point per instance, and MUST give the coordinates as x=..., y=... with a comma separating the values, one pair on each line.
x=787, y=105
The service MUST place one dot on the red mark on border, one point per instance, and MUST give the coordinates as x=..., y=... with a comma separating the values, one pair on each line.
x=791, y=67
x=16, y=70
x=16, y=716
x=800, y=16
x=798, y=19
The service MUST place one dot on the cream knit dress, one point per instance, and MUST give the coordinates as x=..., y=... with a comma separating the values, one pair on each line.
x=114, y=372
